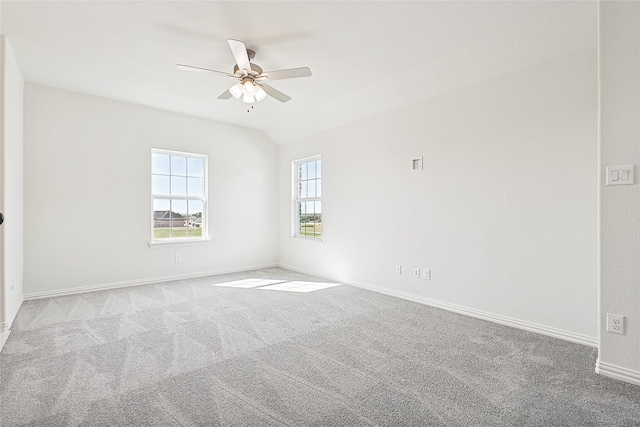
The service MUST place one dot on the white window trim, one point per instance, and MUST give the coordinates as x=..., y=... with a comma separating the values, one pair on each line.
x=295, y=215
x=205, y=201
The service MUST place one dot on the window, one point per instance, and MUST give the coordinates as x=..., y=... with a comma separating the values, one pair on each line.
x=179, y=196
x=307, y=197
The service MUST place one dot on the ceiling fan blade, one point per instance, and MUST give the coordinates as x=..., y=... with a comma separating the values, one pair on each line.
x=239, y=51
x=225, y=95
x=286, y=74
x=201, y=70
x=275, y=93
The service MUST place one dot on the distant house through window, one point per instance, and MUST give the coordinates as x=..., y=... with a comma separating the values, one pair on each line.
x=307, y=197
x=179, y=196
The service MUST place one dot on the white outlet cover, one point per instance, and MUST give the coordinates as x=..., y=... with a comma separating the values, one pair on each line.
x=615, y=324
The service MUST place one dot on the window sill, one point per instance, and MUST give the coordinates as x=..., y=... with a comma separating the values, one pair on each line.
x=160, y=243
x=308, y=239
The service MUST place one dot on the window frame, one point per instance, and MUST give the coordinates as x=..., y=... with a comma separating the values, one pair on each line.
x=204, y=198
x=295, y=198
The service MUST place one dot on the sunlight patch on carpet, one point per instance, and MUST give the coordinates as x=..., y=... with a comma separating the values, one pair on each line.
x=277, y=285
x=248, y=283
x=299, y=286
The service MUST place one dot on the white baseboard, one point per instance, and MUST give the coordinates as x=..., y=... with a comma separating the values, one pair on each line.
x=3, y=338
x=139, y=282
x=4, y=334
x=5, y=327
x=471, y=312
x=618, y=373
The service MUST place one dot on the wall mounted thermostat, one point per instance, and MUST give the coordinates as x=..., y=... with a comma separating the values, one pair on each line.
x=416, y=164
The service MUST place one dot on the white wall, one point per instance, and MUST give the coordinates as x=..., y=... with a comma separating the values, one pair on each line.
x=87, y=193
x=504, y=213
x=619, y=355
x=11, y=195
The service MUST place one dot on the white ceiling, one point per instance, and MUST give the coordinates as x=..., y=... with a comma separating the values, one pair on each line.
x=366, y=57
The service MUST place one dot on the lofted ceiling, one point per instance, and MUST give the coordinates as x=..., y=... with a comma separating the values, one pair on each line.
x=366, y=57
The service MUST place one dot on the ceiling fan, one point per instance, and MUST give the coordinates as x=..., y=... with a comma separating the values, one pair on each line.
x=251, y=84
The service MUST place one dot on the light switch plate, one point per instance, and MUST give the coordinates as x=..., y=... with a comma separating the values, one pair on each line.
x=621, y=175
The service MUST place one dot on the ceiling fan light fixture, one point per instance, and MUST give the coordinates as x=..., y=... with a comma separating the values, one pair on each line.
x=236, y=90
x=260, y=93
x=248, y=99
x=247, y=87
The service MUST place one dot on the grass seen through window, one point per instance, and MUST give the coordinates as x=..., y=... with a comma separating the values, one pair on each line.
x=176, y=232
x=311, y=227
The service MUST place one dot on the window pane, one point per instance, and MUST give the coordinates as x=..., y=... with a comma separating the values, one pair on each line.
x=160, y=164
x=319, y=169
x=195, y=167
x=311, y=188
x=178, y=165
x=161, y=233
x=319, y=188
x=196, y=208
x=317, y=219
x=178, y=208
x=178, y=231
x=300, y=217
x=311, y=170
x=160, y=184
x=310, y=220
x=161, y=218
x=178, y=218
x=303, y=189
x=178, y=185
x=306, y=227
x=303, y=171
x=161, y=205
x=194, y=231
x=194, y=225
x=309, y=208
x=195, y=186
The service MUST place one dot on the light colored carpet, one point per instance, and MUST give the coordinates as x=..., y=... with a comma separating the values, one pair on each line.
x=188, y=353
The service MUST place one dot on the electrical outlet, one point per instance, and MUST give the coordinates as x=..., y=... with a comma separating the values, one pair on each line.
x=398, y=269
x=416, y=273
x=426, y=274
x=178, y=258
x=615, y=323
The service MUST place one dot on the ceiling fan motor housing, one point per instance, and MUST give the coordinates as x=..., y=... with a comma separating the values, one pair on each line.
x=255, y=68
